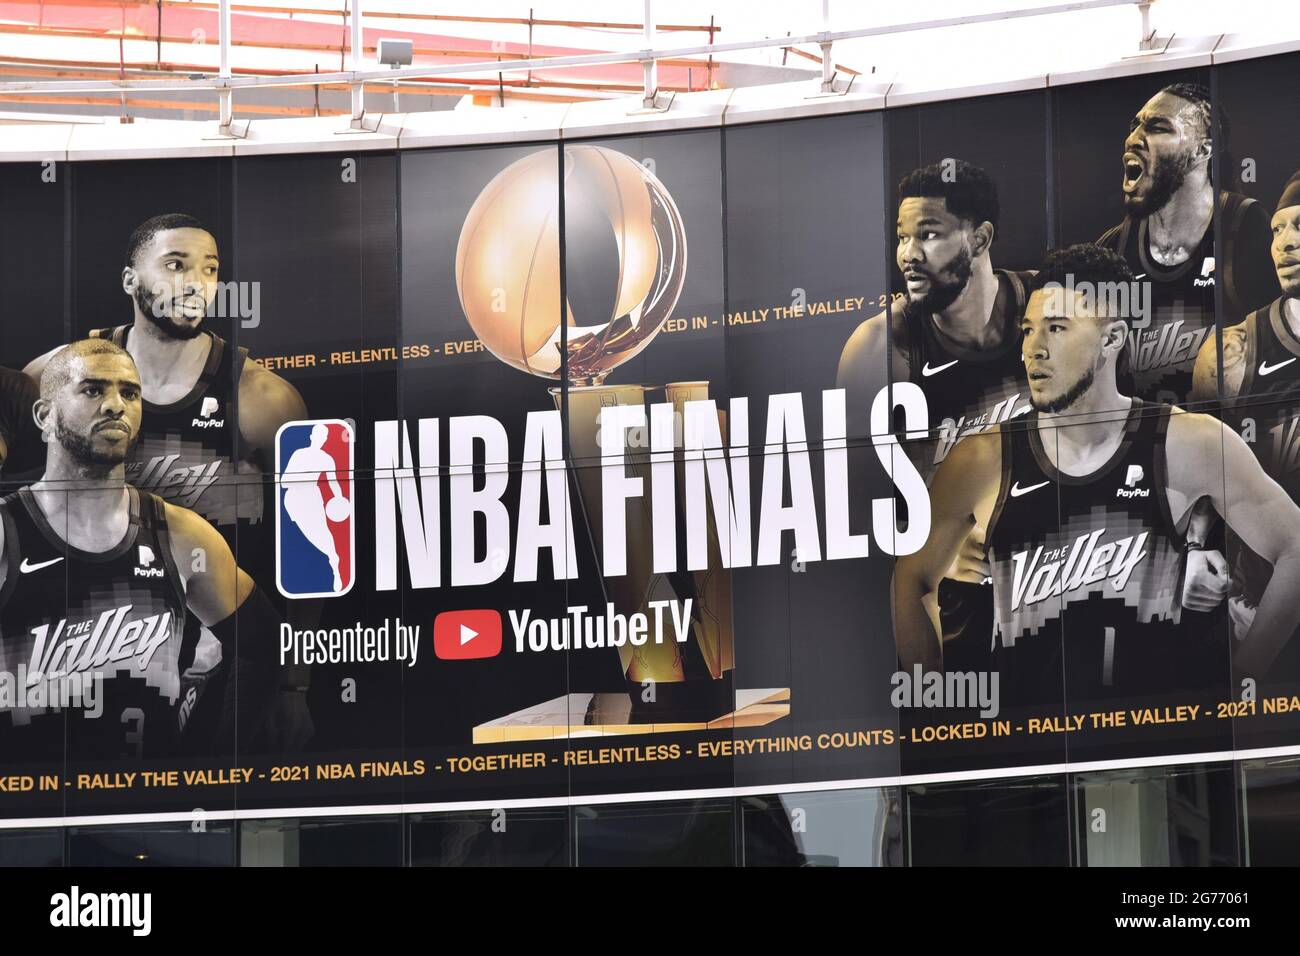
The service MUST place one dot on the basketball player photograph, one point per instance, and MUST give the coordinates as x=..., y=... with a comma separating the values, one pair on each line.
x=956, y=336
x=1260, y=389
x=97, y=576
x=194, y=451
x=1167, y=239
x=1085, y=511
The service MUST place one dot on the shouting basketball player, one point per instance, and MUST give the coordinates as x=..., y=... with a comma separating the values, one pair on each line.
x=1167, y=238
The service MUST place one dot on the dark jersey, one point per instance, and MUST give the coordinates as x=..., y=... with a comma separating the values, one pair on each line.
x=69, y=616
x=187, y=449
x=23, y=448
x=1160, y=357
x=968, y=390
x=1270, y=399
x=1086, y=569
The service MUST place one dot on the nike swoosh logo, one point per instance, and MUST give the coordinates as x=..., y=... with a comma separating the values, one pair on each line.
x=26, y=568
x=1017, y=491
x=1265, y=368
x=927, y=371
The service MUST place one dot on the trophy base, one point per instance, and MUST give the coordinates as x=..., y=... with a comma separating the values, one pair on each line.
x=611, y=715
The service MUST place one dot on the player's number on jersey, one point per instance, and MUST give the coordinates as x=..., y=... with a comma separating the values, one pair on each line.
x=133, y=717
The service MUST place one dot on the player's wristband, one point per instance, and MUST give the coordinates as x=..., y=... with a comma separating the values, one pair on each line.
x=256, y=623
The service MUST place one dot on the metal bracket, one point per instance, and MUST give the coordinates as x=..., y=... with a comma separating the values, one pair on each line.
x=839, y=86
x=1151, y=46
x=663, y=102
x=237, y=129
x=365, y=123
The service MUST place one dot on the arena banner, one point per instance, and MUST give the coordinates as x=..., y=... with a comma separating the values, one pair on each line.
x=945, y=441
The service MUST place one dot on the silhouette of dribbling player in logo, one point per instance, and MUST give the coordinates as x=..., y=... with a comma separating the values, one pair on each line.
x=303, y=501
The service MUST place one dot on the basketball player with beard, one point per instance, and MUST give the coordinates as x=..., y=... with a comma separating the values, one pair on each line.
x=96, y=577
x=956, y=336
x=1086, y=508
x=1167, y=238
x=193, y=450
x=1261, y=396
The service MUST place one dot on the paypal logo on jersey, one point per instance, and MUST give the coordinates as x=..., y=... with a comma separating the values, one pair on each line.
x=314, y=534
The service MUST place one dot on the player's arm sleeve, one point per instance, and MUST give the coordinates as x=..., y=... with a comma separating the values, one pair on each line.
x=248, y=641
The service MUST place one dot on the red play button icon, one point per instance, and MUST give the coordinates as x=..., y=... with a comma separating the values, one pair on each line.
x=467, y=635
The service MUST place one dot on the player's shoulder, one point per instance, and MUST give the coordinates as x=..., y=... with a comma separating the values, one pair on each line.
x=269, y=390
x=183, y=525
x=978, y=454
x=1194, y=431
x=871, y=341
x=266, y=401
x=15, y=383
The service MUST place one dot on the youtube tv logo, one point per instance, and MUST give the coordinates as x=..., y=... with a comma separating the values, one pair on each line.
x=467, y=635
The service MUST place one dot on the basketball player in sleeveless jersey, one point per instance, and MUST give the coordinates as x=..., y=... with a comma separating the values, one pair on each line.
x=955, y=335
x=1261, y=394
x=1167, y=239
x=1085, y=504
x=193, y=450
x=96, y=577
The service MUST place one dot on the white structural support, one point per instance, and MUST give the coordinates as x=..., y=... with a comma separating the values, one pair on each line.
x=649, y=66
x=355, y=61
x=357, y=76
x=828, y=67
x=225, y=96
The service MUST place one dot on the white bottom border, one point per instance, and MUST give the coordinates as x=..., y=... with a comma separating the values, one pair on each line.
x=863, y=783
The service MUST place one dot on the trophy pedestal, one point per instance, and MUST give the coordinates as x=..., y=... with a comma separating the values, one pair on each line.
x=610, y=715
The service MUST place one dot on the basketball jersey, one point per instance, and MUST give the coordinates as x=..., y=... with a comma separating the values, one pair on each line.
x=1085, y=569
x=72, y=614
x=1270, y=398
x=967, y=390
x=187, y=449
x=1160, y=357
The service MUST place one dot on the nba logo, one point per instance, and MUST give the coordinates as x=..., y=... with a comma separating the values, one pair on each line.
x=314, y=535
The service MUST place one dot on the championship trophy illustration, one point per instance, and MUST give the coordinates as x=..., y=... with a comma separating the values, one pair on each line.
x=507, y=275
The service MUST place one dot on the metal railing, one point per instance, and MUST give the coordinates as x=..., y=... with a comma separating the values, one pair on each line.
x=224, y=83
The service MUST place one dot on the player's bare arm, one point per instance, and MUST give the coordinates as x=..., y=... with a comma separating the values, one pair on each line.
x=963, y=494
x=266, y=401
x=215, y=592
x=1266, y=519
